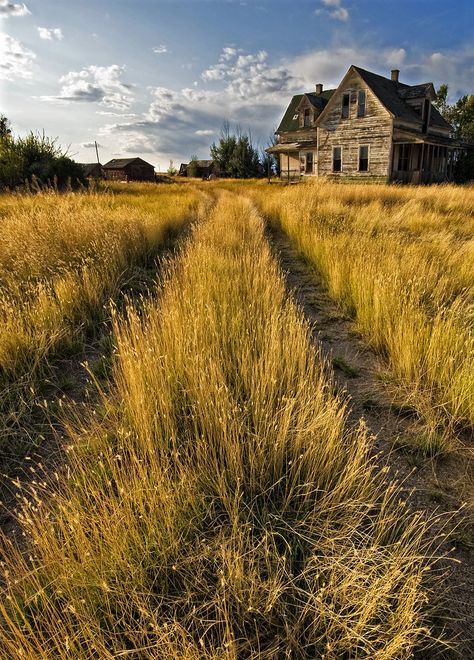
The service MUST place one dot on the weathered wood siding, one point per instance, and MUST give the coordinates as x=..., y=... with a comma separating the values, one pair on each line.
x=302, y=134
x=375, y=130
x=294, y=162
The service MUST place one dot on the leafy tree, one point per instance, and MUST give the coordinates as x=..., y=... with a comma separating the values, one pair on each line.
x=235, y=155
x=461, y=116
x=172, y=171
x=34, y=156
x=5, y=129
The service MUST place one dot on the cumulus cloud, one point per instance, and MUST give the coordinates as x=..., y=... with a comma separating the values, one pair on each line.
x=334, y=9
x=96, y=84
x=161, y=49
x=50, y=34
x=206, y=131
x=13, y=9
x=249, y=75
x=16, y=61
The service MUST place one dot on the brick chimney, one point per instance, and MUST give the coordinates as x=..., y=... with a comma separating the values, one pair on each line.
x=395, y=74
x=319, y=89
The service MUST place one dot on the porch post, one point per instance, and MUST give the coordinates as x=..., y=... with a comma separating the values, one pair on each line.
x=288, y=165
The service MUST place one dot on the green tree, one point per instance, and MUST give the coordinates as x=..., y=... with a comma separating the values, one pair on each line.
x=235, y=155
x=5, y=128
x=461, y=117
x=172, y=171
x=35, y=156
x=460, y=114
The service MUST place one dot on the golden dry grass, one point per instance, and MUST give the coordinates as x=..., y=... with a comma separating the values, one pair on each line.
x=401, y=262
x=62, y=258
x=218, y=508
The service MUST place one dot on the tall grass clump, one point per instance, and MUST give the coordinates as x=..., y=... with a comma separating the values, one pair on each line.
x=219, y=508
x=400, y=261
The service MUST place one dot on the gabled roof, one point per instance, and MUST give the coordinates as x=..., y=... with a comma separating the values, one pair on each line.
x=386, y=91
x=120, y=163
x=288, y=123
x=392, y=95
x=424, y=90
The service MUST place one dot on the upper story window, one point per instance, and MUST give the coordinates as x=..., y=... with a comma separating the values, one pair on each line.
x=307, y=117
x=337, y=159
x=361, y=103
x=346, y=99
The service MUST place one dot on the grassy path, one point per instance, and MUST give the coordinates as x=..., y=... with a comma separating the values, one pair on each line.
x=217, y=504
x=435, y=486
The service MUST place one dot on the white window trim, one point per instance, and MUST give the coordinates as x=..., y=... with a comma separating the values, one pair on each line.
x=337, y=146
x=368, y=157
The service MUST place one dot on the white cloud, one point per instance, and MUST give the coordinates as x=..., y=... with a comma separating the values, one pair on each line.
x=161, y=49
x=334, y=9
x=249, y=76
x=96, y=84
x=241, y=87
x=50, y=34
x=13, y=9
x=89, y=145
x=16, y=60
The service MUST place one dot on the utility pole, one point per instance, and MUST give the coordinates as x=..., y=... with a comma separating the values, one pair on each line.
x=97, y=152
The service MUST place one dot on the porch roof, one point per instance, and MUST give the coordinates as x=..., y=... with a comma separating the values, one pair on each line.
x=287, y=147
x=417, y=138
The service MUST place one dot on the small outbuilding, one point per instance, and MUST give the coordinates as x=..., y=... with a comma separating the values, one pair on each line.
x=129, y=169
x=92, y=170
x=202, y=169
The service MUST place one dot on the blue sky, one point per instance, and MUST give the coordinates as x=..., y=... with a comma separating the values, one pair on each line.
x=156, y=78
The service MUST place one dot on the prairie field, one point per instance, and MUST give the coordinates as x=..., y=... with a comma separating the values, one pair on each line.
x=220, y=496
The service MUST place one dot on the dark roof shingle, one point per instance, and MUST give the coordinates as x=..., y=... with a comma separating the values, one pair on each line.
x=319, y=101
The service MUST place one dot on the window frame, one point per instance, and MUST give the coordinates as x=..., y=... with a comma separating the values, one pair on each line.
x=362, y=146
x=361, y=106
x=307, y=116
x=337, y=146
x=347, y=106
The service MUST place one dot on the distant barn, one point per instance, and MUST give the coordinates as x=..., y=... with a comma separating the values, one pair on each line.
x=92, y=170
x=199, y=168
x=129, y=169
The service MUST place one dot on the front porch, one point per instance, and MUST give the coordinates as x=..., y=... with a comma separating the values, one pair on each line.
x=420, y=159
x=296, y=159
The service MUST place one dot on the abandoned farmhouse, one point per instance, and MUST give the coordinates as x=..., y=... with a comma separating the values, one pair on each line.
x=368, y=126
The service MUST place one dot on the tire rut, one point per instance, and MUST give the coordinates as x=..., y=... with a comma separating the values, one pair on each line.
x=426, y=484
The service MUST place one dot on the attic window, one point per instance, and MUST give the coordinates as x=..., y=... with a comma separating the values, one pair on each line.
x=361, y=103
x=307, y=117
x=346, y=99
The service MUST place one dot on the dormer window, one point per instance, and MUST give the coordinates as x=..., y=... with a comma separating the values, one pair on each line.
x=307, y=117
x=361, y=103
x=346, y=99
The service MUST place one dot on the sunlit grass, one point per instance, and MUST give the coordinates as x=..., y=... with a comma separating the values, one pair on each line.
x=401, y=261
x=218, y=507
x=62, y=258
